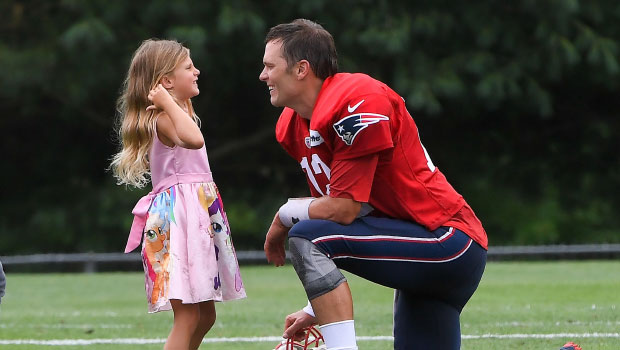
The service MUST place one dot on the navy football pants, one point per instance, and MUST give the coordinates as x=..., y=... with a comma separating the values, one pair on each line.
x=434, y=273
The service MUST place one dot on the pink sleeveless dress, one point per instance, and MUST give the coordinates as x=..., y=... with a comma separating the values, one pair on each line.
x=187, y=249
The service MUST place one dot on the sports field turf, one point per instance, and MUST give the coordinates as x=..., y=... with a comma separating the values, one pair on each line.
x=526, y=305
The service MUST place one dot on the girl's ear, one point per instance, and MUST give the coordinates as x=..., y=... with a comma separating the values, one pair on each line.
x=166, y=82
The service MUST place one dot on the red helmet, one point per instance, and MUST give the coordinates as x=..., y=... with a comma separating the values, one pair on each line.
x=571, y=346
x=312, y=340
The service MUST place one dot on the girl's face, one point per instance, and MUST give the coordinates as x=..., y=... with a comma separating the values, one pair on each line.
x=184, y=80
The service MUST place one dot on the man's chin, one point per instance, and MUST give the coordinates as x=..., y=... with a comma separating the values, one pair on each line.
x=275, y=103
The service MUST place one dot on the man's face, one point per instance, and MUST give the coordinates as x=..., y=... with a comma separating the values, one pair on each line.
x=281, y=81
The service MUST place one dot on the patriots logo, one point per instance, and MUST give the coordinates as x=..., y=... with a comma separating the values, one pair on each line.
x=348, y=127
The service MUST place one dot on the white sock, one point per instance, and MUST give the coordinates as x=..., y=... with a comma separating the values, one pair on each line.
x=339, y=335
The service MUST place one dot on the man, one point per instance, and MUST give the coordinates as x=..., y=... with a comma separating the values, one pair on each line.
x=380, y=208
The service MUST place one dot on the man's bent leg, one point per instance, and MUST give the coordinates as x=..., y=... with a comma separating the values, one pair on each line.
x=318, y=274
x=327, y=291
x=421, y=322
x=334, y=306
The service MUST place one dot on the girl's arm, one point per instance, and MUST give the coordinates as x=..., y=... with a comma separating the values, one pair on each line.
x=174, y=125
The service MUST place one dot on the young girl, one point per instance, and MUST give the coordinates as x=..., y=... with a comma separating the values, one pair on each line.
x=187, y=252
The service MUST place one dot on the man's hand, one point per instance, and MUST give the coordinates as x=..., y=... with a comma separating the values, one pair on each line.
x=295, y=323
x=274, y=242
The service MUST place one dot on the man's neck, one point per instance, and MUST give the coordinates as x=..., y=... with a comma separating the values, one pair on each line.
x=307, y=100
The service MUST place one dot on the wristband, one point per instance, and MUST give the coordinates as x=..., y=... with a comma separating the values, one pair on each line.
x=295, y=210
x=308, y=309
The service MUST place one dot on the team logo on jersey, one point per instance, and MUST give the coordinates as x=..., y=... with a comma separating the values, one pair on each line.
x=314, y=139
x=348, y=127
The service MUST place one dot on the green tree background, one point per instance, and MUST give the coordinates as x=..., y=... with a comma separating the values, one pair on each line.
x=517, y=103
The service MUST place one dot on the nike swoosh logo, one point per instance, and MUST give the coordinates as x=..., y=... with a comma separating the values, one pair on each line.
x=352, y=109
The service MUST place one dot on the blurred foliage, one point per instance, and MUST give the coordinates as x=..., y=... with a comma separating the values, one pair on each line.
x=517, y=103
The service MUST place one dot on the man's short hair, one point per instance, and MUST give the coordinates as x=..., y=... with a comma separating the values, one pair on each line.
x=303, y=39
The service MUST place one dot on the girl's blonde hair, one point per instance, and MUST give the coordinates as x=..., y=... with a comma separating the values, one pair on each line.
x=135, y=127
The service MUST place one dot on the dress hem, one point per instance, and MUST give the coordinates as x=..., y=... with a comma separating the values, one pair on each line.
x=168, y=307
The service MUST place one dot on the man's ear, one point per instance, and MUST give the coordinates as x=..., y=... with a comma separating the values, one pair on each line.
x=166, y=82
x=302, y=69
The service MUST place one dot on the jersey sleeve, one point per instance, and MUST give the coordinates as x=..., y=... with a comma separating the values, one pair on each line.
x=363, y=126
x=285, y=131
x=352, y=178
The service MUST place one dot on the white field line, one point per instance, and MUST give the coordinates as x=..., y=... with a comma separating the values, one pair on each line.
x=127, y=326
x=545, y=323
x=543, y=336
x=67, y=326
x=138, y=341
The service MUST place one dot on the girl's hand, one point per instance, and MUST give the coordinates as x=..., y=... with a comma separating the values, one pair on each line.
x=160, y=98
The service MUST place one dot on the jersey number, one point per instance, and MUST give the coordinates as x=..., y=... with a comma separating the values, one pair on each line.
x=429, y=162
x=315, y=167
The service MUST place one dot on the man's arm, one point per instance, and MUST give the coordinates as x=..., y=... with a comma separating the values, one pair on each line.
x=340, y=210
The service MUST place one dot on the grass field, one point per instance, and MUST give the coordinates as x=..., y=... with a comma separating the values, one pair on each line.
x=533, y=305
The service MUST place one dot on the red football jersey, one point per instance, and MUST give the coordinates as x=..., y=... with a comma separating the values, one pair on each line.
x=361, y=143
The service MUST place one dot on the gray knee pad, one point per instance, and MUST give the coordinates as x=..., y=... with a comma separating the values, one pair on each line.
x=317, y=272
